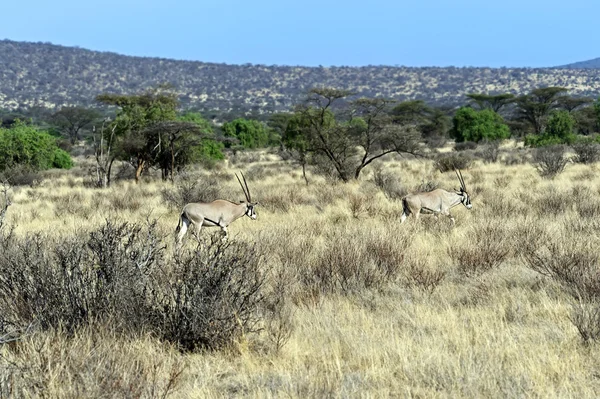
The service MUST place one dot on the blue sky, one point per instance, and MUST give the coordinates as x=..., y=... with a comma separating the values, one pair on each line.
x=529, y=33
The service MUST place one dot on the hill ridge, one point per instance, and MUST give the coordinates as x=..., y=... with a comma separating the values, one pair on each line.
x=49, y=75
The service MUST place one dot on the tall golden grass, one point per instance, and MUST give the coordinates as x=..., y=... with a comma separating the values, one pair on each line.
x=372, y=308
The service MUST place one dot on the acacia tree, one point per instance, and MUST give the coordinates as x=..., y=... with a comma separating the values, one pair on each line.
x=349, y=135
x=104, y=152
x=490, y=101
x=177, y=139
x=70, y=121
x=534, y=108
x=432, y=122
x=139, y=144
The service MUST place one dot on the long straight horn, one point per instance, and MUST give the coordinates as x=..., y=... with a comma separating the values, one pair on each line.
x=243, y=189
x=247, y=189
x=460, y=179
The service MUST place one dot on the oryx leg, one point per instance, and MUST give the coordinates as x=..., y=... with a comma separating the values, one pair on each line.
x=447, y=213
x=403, y=218
x=197, y=230
x=182, y=228
x=224, y=230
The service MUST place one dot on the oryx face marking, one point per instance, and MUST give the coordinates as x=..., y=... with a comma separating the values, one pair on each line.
x=437, y=201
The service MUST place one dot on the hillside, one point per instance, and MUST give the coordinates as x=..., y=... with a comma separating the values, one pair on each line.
x=589, y=64
x=42, y=74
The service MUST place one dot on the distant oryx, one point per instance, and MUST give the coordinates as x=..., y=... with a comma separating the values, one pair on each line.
x=437, y=201
x=219, y=213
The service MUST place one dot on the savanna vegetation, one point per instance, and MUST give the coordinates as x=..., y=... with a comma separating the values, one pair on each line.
x=325, y=294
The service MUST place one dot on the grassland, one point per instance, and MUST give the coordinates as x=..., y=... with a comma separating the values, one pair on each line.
x=373, y=308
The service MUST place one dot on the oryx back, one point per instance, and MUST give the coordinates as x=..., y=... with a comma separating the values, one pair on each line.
x=215, y=213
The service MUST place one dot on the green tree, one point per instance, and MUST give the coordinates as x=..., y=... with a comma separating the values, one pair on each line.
x=140, y=144
x=559, y=130
x=250, y=133
x=208, y=148
x=472, y=125
x=26, y=146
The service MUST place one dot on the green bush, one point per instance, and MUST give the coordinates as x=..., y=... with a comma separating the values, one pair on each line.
x=23, y=145
x=558, y=131
x=61, y=159
x=250, y=133
x=472, y=125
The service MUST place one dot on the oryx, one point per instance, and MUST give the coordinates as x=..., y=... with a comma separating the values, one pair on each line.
x=219, y=213
x=437, y=201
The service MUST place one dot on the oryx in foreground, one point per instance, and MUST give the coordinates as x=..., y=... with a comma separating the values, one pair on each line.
x=219, y=213
x=437, y=201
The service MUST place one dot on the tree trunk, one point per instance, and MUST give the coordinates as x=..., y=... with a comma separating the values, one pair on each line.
x=304, y=172
x=138, y=171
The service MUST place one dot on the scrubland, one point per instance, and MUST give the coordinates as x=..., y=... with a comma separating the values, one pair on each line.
x=351, y=303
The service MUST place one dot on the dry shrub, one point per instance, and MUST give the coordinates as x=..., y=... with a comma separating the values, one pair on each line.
x=491, y=151
x=586, y=318
x=126, y=200
x=575, y=265
x=486, y=247
x=22, y=176
x=571, y=262
x=279, y=314
x=348, y=266
x=586, y=204
x=189, y=188
x=455, y=161
x=552, y=201
x=426, y=186
x=285, y=199
x=212, y=297
x=71, y=204
x=586, y=152
x=205, y=298
x=422, y=276
x=465, y=145
x=501, y=205
x=96, y=362
x=550, y=161
x=388, y=183
x=513, y=158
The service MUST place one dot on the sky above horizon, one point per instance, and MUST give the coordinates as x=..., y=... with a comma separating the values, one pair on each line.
x=511, y=33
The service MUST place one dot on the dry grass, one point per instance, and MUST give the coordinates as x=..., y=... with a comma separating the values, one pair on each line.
x=371, y=308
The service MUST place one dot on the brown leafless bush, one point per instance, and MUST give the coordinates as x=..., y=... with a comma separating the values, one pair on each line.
x=586, y=152
x=455, y=161
x=586, y=318
x=212, y=297
x=550, y=161
x=388, y=183
x=349, y=266
x=189, y=188
x=487, y=247
x=419, y=274
x=205, y=298
x=491, y=151
x=465, y=145
x=586, y=204
x=552, y=201
x=573, y=264
x=97, y=362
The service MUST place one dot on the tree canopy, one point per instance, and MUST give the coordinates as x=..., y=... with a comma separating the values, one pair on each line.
x=472, y=125
x=27, y=146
